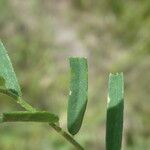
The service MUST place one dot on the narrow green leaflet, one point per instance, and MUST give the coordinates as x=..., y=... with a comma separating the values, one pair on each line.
x=7, y=73
x=26, y=116
x=115, y=106
x=78, y=94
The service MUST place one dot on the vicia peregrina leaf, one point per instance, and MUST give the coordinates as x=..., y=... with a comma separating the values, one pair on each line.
x=78, y=94
x=115, y=112
x=7, y=73
x=26, y=116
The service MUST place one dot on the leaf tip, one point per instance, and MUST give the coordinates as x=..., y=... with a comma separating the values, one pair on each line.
x=77, y=58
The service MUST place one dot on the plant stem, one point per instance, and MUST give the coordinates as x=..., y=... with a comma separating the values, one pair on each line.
x=25, y=105
x=58, y=129
x=67, y=136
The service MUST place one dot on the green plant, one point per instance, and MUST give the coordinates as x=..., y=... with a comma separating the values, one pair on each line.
x=114, y=112
x=76, y=105
x=78, y=94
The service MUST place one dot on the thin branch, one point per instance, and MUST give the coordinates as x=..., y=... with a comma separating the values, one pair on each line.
x=67, y=136
x=58, y=129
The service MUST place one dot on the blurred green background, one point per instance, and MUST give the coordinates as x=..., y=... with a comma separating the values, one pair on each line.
x=40, y=35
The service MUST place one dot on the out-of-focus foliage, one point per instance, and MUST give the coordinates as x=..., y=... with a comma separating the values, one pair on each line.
x=114, y=35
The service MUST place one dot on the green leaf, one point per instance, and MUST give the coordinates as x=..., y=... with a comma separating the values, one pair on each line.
x=26, y=116
x=78, y=94
x=7, y=73
x=115, y=106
